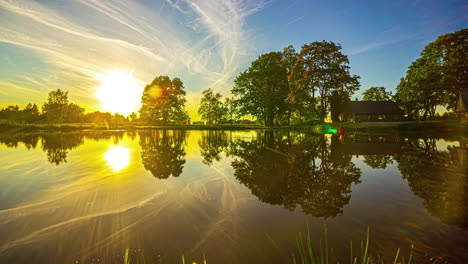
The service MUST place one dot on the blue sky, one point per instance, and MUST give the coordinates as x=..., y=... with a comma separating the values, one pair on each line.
x=46, y=45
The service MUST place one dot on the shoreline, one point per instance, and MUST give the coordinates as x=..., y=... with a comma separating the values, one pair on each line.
x=407, y=127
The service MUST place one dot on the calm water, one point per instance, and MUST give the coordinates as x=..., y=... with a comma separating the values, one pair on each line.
x=235, y=197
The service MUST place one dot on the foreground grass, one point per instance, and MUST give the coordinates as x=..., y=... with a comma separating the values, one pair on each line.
x=319, y=252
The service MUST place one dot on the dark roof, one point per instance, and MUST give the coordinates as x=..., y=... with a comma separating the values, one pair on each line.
x=462, y=105
x=374, y=107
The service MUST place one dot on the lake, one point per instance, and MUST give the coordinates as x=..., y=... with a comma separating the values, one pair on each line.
x=231, y=196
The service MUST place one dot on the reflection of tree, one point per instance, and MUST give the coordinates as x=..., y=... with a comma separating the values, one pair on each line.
x=11, y=141
x=163, y=152
x=212, y=144
x=438, y=177
x=378, y=161
x=57, y=146
x=295, y=170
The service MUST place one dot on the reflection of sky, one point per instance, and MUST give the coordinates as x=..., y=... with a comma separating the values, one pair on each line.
x=65, y=44
x=90, y=207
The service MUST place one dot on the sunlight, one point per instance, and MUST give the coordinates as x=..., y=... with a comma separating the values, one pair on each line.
x=119, y=92
x=117, y=157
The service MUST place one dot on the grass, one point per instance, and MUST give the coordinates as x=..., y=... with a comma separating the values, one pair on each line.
x=322, y=253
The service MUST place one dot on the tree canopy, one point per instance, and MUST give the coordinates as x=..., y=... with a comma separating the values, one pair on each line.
x=262, y=89
x=436, y=76
x=211, y=108
x=376, y=94
x=321, y=68
x=163, y=101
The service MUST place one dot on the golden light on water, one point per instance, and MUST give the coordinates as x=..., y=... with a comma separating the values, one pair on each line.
x=117, y=157
x=119, y=92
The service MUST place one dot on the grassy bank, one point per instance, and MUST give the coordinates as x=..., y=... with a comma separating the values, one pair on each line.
x=405, y=128
x=24, y=128
x=427, y=127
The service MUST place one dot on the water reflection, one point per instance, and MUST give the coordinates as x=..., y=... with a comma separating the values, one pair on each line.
x=227, y=180
x=310, y=171
x=163, y=153
x=117, y=157
x=439, y=177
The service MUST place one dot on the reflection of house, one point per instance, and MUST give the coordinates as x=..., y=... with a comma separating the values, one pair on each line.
x=372, y=111
x=462, y=103
x=367, y=145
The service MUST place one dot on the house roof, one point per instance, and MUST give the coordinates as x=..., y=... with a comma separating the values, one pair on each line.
x=374, y=107
x=462, y=101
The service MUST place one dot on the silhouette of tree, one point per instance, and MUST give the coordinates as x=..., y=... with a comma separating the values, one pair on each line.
x=163, y=101
x=163, y=152
x=54, y=108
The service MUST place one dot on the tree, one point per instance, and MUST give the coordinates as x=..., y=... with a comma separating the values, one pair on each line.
x=211, y=108
x=436, y=76
x=230, y=109
x=73, y=113
x=55, y=107
x=377, y=94
x=321, y=68
x=339, y=103
x=262, y=89
x=163, y=101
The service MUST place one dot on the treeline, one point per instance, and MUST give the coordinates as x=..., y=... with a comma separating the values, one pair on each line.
x=58, y=109
x=286, y=87
x=283, y=88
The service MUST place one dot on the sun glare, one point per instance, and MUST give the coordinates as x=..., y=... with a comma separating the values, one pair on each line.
x=117, y=157
x=119, y=92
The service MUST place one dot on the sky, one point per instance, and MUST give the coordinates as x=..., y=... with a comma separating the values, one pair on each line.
x=71, y=44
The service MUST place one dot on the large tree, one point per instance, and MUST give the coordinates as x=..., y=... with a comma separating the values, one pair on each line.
x=377, y=94
x=436, y=76
x=163, y=101
x=262, y=89
x=211, y=108
x=321, y=68
x=55, y=107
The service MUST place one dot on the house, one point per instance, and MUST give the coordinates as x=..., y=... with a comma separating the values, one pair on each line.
x=360, y=111
x=462, y=103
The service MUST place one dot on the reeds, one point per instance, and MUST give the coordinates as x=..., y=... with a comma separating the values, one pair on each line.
x=308, y=254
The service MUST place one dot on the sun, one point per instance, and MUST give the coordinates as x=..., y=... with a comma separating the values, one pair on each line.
x=119, y=92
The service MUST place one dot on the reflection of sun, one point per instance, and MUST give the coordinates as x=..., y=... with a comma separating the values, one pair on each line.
x=117, y=157
x=119, y=92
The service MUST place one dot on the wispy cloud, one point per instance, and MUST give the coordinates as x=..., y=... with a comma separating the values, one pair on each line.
x=203, y=38
x=295, y=20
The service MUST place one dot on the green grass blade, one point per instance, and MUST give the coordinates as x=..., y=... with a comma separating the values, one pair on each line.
x=126, y=257
x=396, y=256
x=310, y=247
x=411, y=254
